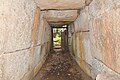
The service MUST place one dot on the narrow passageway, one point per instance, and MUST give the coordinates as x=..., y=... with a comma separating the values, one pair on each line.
x=61, y=66
x=59, y=39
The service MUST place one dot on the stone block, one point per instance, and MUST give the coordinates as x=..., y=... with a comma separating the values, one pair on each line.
x=60, y=4
x=37, y=53
x=40, y=29
x=1, y=67
x=106, y=76
x=61, y=16
x=35, y=27
x=16, y=20
x=106, y=35
x=82, y=22
x=16, y=65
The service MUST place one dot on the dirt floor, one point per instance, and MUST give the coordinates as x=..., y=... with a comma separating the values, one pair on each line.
x=60, y=65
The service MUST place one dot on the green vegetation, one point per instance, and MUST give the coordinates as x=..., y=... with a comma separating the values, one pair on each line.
x=57, y=41
x=57, y=37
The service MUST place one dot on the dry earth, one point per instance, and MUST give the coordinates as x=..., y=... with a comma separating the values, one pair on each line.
x=60, y=65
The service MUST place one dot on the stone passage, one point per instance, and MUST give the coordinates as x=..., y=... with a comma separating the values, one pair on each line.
x=61, y=66
x=93, y=39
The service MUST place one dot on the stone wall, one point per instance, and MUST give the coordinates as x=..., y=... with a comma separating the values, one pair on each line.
x=96, y=39
x=24, y=39
x=42, y=41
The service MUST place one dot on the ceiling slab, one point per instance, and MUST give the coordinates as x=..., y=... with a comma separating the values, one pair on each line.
x=55, y=24
x=61, y=4
x=60, y=12
x=60, y=17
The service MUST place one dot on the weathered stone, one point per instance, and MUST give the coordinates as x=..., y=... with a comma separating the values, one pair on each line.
x=106, y=35
x=94, y=36
x=44, y=31
x=106, y=76
x=35, y=27
x=1, y=67
x=47, y=33
x=40, y=36
x=60, y=4
x=81, y=22
x=37, y=55
x=19, y=32
x=39, y=58
x=1, y=40
x=16, y=65
x=16, y=21
x=59, y=24
x=40, y=29
x=60, y=17
x=100, y=45
x=87, y=2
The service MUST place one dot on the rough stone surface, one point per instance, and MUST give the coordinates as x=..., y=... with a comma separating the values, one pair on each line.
x=46, y=38
x=21, y=42
x=106, y=76
x=1, y=67
x=105, y=41
x=37, y=55
x=59, y=24
x=81, y=23
x=61, y=17
x=44, y=32
x=35, y=27
x=61, y=4
x=99, y=47
x=16, y=19
x=16, y=65
x=41, y=32
x=107, y=37
x=38, y=33
x=1, y=40
x=25, y=36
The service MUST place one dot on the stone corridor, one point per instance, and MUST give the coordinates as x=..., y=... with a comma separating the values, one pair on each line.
x=60, y=65
x=92, y=38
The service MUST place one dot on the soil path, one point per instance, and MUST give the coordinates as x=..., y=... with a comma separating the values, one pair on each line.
x=60, y=65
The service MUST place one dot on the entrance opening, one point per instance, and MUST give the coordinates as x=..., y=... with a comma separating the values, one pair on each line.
x=60, y=37
x=57, y=37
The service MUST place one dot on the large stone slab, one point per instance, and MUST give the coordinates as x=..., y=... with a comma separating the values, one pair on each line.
x=16, y=20
x=106, y=76
x=1, y=67
x=35, y=27
x=60, y=17
x=16, y=65
x=60, y=4
x=37, y=53
x=106, y=34
x=82, y=21
x=101, y=17
x=44, y=30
